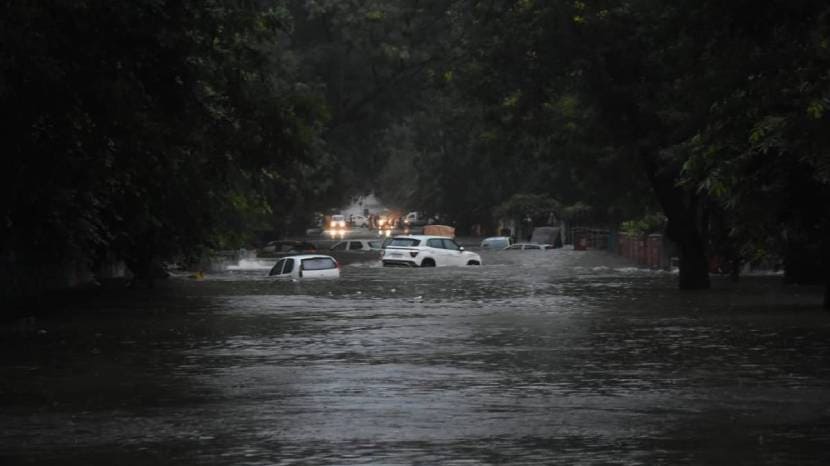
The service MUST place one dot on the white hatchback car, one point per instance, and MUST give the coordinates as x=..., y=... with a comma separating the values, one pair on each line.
x=306, y=266
x=426, y=251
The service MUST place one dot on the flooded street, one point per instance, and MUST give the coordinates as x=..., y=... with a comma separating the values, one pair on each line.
x=534, y=358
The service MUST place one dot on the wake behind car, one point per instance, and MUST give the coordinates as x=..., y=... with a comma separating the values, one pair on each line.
x=306, y=266
x=426, y=251
x=528, y=247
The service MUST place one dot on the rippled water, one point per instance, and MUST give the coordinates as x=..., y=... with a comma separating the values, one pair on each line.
x=535, y=358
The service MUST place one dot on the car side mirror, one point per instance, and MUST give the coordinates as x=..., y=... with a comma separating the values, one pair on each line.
x=460, y=248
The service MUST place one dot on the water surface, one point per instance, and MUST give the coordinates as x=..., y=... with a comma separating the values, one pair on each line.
x=546, y=357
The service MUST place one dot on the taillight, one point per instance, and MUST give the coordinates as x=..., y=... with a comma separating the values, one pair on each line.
x=338, y=264
x=413, y=253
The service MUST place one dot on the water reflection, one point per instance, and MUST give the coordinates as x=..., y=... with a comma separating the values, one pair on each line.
x=566, y=357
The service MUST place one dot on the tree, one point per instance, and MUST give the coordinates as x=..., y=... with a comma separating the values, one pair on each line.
x=140, y=126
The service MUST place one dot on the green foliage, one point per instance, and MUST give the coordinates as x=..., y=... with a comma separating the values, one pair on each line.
x=647, y=224
x=149, y=128
x=538, y=207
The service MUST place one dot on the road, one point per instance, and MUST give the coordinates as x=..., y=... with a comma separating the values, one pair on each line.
x=556, y=357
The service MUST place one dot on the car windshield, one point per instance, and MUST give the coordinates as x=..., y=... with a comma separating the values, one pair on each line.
x=405, y=242
x=319, y=263
x=277, y=269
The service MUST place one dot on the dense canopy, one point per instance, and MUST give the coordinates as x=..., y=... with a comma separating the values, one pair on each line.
x=151, y=129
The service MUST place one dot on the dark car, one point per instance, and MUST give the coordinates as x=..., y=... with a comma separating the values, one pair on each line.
x=277, y=248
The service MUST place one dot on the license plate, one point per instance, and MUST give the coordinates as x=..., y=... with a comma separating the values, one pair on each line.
x=396, y=254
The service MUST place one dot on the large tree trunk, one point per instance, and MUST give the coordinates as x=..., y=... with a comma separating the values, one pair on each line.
x=681, y=208
x=825, y=249
x=694, y=267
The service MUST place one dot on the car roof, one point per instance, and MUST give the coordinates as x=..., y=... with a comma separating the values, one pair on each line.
x=496, y=238
x=420, y=237
x=307, y=256
x=529, y=244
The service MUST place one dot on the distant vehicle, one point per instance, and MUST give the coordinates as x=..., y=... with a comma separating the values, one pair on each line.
x=306, y=266
x=440, y=230
x=415, y=219
x=528, y=246
x=286, y=246
x=496, y=242
x=426, y=251
x=547, y=235
x=357, y=245
x=337, y=221
x=359, y=221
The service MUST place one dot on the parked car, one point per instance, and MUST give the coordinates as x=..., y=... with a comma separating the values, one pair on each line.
x=306, y=266
x=496, y=242
x=528, y=246
x=414, y=219
x=426, y=251
x=357, y=245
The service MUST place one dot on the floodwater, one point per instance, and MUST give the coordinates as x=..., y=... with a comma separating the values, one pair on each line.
x=553, y=357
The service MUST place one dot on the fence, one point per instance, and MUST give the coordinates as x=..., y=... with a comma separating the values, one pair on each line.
x=591, y=238
x=653, y=250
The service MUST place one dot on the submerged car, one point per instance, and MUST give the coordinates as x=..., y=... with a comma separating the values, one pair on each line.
x=426, y=251
x=357, y=245
x=306, y=266
x=495, y=242
x=285, y=248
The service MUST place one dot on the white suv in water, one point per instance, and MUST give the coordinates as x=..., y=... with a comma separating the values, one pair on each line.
x=426, y=251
